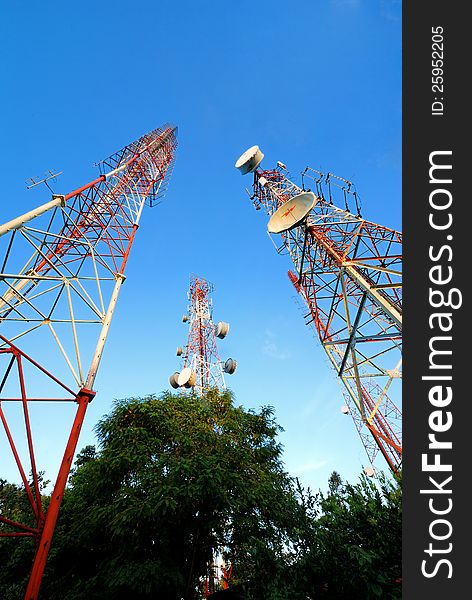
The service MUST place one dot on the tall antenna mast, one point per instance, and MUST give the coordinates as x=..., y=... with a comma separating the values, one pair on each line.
x=60, y=277
x=348, y=272
x=202, y=369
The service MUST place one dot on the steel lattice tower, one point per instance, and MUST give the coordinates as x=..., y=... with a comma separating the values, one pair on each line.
x=202, y=368
x=348, y=273
x=61, y=273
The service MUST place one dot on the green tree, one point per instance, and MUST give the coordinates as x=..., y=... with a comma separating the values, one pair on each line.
x=16, y=554
x=352, y=542
x=175, y=478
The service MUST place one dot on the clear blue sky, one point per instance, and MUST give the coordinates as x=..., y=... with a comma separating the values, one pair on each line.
x=312, y=82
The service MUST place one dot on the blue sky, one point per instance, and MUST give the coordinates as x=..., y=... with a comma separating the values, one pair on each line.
x=312, y=82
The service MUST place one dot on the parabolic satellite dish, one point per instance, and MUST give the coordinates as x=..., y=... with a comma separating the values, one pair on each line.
x=173, y=380
x=249, y=161
x=292, y=212
x=187, y=378
x=230, y=366
x=221, y=329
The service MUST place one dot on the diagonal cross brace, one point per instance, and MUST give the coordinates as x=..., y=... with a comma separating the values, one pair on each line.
x=353, y=333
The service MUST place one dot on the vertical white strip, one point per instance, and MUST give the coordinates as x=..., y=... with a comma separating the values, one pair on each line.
x=104, y=333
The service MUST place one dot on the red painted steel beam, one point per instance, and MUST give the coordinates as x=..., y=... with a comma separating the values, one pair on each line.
x=84, y=397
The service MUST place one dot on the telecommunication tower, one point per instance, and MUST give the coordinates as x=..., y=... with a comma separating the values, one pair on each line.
x=61, y=272
x=348, y=271
x=202, y=368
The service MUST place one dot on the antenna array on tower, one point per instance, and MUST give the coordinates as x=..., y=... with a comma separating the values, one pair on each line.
x=202, y=368
x=349, y=273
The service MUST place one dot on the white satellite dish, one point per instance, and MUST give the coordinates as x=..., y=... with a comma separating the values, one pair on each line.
x=292, y=212
x=230, y=366
x=345, y=409
x=187, y=378
x=221, y=329
x=173, y=380
x=249, y=161
x=369, y=471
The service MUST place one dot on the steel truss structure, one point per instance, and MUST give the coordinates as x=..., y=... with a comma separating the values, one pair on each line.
x=62, y=269
x=202, y=370
x=200, y=355
x=348, y=272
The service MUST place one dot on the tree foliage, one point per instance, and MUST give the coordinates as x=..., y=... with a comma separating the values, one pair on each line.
x=353, y=541
x=175, y=478
x=16, y=555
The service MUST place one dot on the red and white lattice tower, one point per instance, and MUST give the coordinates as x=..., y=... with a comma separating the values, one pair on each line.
x=348, y=271
x=62, y=268
x=202, y=368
